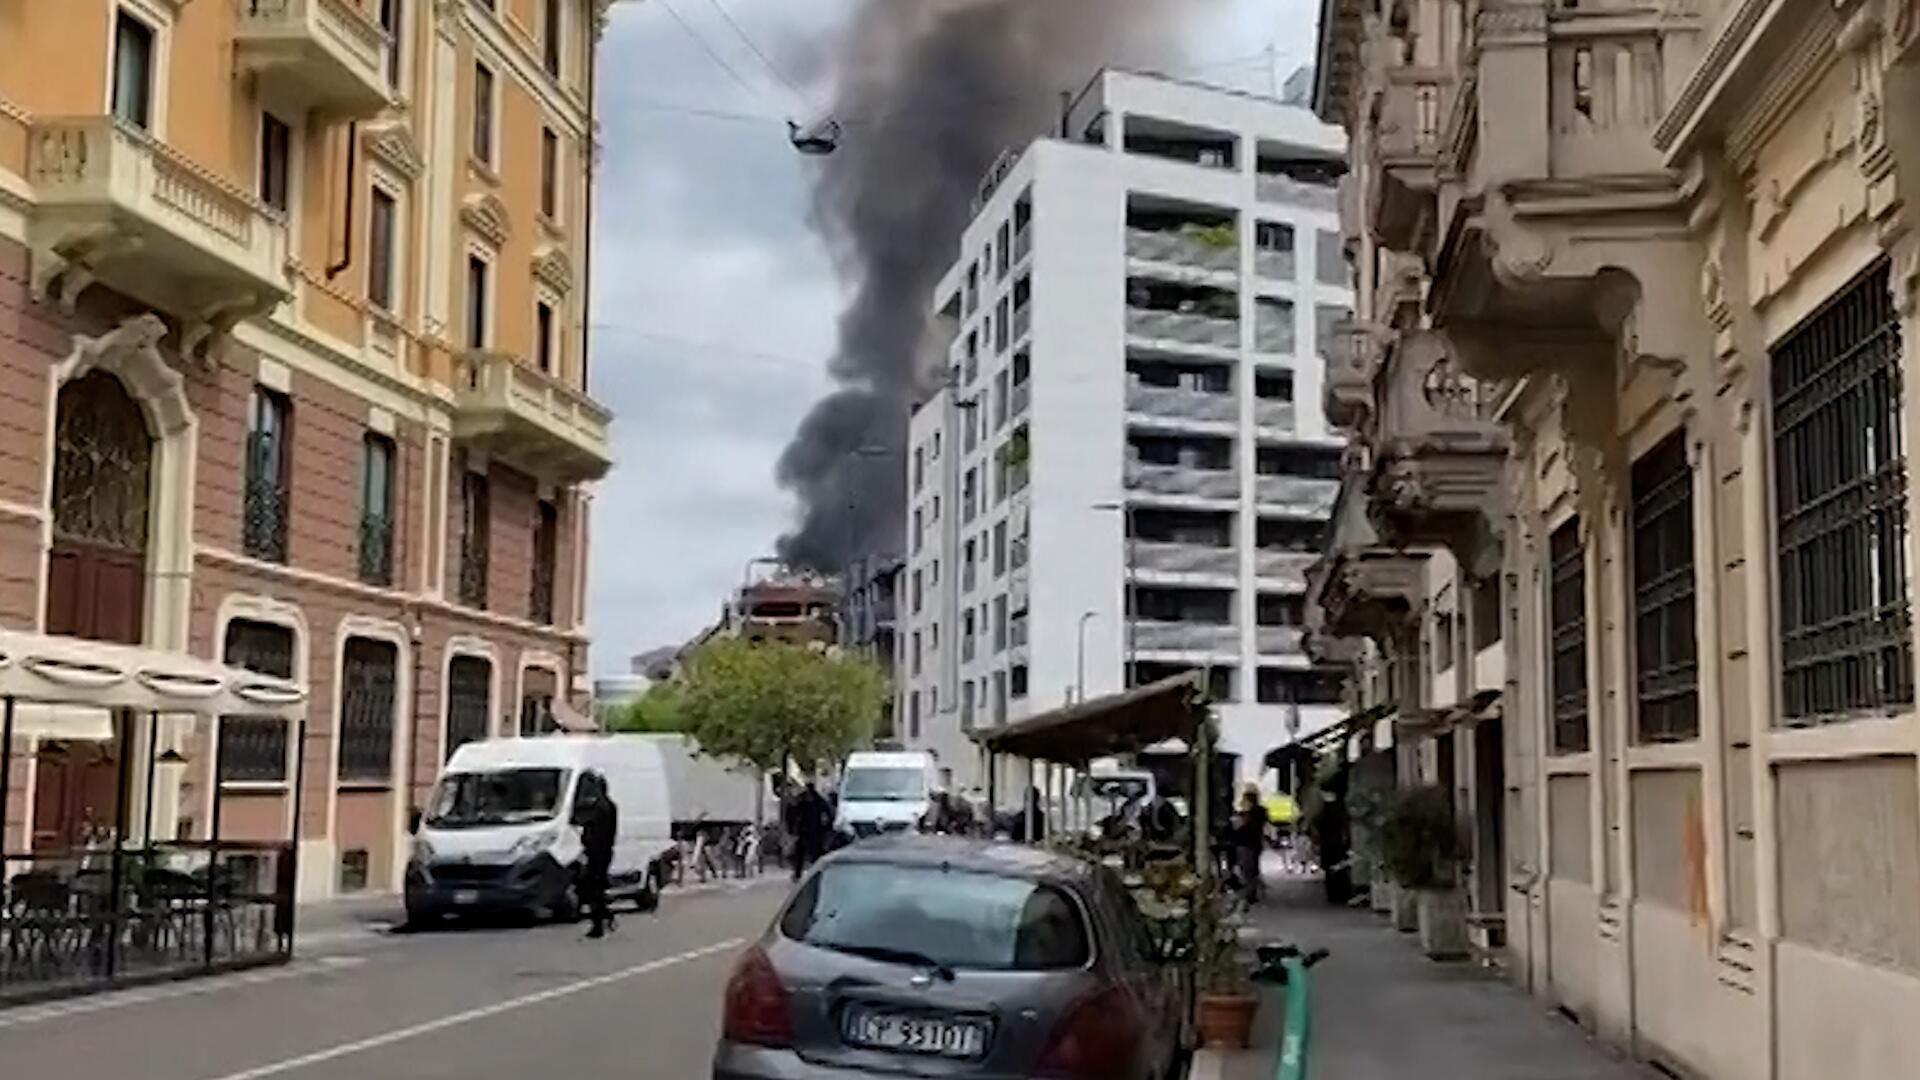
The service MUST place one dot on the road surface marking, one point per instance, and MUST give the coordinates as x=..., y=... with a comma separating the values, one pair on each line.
x=37, y=1014
x=374, y=1042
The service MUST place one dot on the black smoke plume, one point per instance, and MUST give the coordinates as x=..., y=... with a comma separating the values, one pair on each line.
x=928, y=93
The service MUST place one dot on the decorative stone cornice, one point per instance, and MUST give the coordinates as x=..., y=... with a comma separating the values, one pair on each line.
x=392, y=144
x=552, y=267
x=484, y=213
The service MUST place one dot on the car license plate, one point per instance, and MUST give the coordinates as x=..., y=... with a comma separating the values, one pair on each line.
x=915, y=1034
x=466, y=896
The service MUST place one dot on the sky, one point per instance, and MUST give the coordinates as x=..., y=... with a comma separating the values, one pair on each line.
x=714, y=301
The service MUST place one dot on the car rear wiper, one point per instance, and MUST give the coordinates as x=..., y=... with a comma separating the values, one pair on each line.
x=899, y=956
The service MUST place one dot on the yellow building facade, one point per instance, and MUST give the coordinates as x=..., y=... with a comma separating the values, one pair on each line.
x=329, y=259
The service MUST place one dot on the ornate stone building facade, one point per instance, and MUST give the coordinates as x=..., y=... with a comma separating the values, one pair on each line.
x=1640, y=290
x=293, y=374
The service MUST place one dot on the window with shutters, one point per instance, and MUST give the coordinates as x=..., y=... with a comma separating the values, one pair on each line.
x=469, y=700
x=132, y=71
x=382, y=217
x=549, y=174
x=476, y=527
x=1665, y=636
x=1567, y=624
x=369, y=672
x=276, y=161
x=483, y=139
x=376, y=510
x=546, y=553
x=269, y=476
x=253, y=749
x=393, y=21
x=1840, y=505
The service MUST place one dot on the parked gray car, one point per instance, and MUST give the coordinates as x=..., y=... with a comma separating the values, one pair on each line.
x=938, y=956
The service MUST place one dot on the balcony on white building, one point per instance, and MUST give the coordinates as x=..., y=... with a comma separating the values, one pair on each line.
x=1180, y=403
x=1287, y=569
x=1168, y=313
x=1176, y=557
x=1279, y=640
x=1159, y=635
x=1182, y=480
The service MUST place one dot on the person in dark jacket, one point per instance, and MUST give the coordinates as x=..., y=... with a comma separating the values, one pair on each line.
x=599, y=821
x=808, y=820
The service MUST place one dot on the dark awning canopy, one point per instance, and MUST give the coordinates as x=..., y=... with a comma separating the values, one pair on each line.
x=1121, y=723
x=1327, y=738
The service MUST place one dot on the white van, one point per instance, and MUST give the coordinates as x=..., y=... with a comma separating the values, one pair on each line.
x=885, y=791
x=498, y=831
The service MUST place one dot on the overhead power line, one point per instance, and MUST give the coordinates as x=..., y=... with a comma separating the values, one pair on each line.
x=765, y=60
x=712, y=53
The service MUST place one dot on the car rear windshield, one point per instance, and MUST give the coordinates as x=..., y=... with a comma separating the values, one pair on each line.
x=956, y=918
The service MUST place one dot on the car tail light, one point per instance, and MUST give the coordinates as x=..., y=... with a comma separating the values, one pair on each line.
x=758, y=1010
x=1096, y=1039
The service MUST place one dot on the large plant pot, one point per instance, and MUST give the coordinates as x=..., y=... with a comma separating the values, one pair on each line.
x=1443, y=924
x=1226, y=1019
x=1380, y=893
x=1406, y=909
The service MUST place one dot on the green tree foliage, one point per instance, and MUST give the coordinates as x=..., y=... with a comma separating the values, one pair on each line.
x=769, y=702
x=657, y=712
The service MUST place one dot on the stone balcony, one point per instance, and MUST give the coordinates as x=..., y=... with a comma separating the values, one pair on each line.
x=1353, y=358
x=1415, y=104
x=318, y=54
x=115, y=205
x=530, y=418
x=1439, y=456
x=1372, y=592
x=1182, y=250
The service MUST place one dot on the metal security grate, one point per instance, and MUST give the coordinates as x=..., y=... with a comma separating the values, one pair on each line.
x=1567, y=614
x=253, y=749
x=1846, y=643
x=469, y=700
x=368, y=674
x=1665, y=637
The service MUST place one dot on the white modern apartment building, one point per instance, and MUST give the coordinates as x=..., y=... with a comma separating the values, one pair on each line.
x=1129, y=423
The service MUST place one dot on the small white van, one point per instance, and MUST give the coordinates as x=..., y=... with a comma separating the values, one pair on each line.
x=498, y=830
x=885, y=791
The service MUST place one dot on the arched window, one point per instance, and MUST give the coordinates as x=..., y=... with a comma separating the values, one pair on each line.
x=103, y=458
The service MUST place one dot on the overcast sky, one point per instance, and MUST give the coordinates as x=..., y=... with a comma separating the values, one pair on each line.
x=713, y=300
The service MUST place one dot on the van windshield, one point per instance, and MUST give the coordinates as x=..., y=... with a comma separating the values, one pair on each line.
x=883, y=784
x=499, y=797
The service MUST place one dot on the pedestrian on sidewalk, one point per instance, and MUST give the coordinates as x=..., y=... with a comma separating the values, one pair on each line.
x=808, y=819
x=1249, y=839
x=599, y=821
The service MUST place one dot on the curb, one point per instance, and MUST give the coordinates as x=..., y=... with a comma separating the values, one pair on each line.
x=1208, y=1064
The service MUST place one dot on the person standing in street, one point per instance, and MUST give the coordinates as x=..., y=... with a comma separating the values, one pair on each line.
x=599, y=821
x=808, y=819
x=1249, y=838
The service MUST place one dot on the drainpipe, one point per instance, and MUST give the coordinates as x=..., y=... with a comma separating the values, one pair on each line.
x=586, y=217
x=346, y=228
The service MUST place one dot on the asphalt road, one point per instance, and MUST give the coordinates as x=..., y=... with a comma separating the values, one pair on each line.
x=472, y=1004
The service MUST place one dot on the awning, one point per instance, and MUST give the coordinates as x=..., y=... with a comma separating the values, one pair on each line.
x=1121, y=723
x=99, y=676
x=1332, y=736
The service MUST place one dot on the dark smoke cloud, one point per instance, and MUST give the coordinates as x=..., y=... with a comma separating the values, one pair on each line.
x=928, y=93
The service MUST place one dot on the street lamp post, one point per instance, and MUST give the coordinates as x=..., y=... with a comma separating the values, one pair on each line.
x=1080, y=657
x=1132, y=590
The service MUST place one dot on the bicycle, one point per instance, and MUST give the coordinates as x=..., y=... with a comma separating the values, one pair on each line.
x=1287, y=966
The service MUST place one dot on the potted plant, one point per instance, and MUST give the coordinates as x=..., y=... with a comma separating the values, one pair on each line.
x=1224, y=1001
x=1367, y=804
x=1422, y=847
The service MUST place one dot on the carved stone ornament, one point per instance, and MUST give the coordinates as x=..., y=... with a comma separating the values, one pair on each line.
x=393, y=146
x=485, y=214
x=554, y=269
x=1511, y=20
x=1520, y=255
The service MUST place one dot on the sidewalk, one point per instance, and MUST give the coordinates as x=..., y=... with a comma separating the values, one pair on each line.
x=1382, y=1011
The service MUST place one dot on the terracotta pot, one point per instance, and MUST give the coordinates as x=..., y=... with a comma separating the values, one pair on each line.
x=1226, y=1019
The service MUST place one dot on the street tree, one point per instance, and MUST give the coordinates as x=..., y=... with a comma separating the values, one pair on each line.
x=656, y=712
x=769, y=703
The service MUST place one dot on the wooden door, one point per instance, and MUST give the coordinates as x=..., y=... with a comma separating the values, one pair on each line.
x=102, y=477
x=75, y=795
